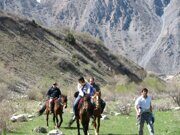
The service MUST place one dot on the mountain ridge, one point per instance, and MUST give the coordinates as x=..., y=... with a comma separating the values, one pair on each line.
x=128, y=28
x=33, y=56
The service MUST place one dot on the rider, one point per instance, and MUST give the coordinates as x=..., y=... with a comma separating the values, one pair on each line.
x=53, y=92
x=83, y=88
x=97, y=89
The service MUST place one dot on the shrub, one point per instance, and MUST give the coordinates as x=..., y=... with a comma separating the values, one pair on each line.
x=175, y=94
x=3, y=92
x=7, y=109
x=124, y=109
x=70, y=39
x=35, y=95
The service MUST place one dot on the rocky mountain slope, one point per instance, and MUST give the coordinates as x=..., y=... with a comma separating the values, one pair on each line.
x=145, y=31
x=32, y=57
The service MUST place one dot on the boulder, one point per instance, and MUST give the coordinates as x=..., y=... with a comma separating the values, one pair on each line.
x=117, y=114
x=104, y=117
x=19, y=118
x=40, y=130
x=30, y=116
x=176, y=108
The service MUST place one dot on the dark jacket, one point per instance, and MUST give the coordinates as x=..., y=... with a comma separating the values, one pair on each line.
x=54, y=92
x=96, y=87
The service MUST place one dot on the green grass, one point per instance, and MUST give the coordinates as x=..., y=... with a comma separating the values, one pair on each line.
x=124, y=88
x=154, y=83
x=166, y=123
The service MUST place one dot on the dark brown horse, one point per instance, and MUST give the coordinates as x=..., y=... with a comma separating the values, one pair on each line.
x=83, y=114
x=59, y=105
x=97, y=111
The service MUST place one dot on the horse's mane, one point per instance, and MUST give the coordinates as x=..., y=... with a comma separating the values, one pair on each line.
x=62, y=95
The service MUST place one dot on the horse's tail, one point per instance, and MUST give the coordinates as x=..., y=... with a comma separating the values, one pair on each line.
x=41, y=111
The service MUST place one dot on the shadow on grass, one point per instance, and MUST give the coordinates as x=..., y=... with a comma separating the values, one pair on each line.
x=16, y=132
x=73, y=128
x=115, y=134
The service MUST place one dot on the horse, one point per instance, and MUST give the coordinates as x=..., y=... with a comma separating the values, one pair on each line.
x=97, y=111
x=59, y=105
x=83, y=114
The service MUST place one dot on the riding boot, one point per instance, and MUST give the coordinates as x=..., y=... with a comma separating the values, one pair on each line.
x=71, y=121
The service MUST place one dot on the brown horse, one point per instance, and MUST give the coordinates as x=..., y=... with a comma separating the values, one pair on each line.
x=83, y=114
x=97, y=111
x=59, y=105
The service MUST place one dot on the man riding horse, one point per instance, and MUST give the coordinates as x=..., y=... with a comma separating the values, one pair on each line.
x=97, y=89
x=93, y=88
x=53, y=93
x=84, y=88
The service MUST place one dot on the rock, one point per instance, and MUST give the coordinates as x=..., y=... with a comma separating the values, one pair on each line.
x=104, y=117
x=30, y=116
x=117, y=114
x=40, y=130
x=112, y=113
x=176, y=108
x=55, y=132
x=19, y=118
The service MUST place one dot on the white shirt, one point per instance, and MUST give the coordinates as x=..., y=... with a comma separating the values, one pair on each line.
x=84, y=89
x=144, y=103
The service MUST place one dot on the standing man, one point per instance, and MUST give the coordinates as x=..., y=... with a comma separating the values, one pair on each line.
x=143, y=109
x=97, y=89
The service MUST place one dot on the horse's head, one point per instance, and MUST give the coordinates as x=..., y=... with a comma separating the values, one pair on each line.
x=97, y=98
x=64, y=101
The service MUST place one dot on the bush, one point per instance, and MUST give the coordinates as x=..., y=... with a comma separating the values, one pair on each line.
x=124, y=109
x=35, y=95
x=2, y=127
x=7, y=109
x=175, y=94
x=70, y=39
x=3, y=92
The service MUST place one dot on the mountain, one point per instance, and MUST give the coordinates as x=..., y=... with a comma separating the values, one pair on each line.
x=32, y=56
x=145, y=31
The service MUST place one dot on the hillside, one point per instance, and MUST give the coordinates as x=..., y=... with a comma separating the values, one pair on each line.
x=145, y=31
x=32, y=57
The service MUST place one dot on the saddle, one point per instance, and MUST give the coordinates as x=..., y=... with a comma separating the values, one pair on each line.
x=51, y=104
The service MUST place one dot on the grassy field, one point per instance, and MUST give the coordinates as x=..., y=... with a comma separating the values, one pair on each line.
x=166, y=123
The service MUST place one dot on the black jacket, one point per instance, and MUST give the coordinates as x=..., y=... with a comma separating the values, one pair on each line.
x=54, y=92
x=96, y=87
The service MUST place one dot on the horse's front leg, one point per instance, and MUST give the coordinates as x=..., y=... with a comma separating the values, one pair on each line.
x=55, y=120
x=98, y=125
x=61, y=120
x=95, y=125
x=47, y=117
x=78, y=126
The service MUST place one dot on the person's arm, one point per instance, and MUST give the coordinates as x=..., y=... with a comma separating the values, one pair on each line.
x=59, y=92
x=48, y=93
x=137, y=108
x=79, y=88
